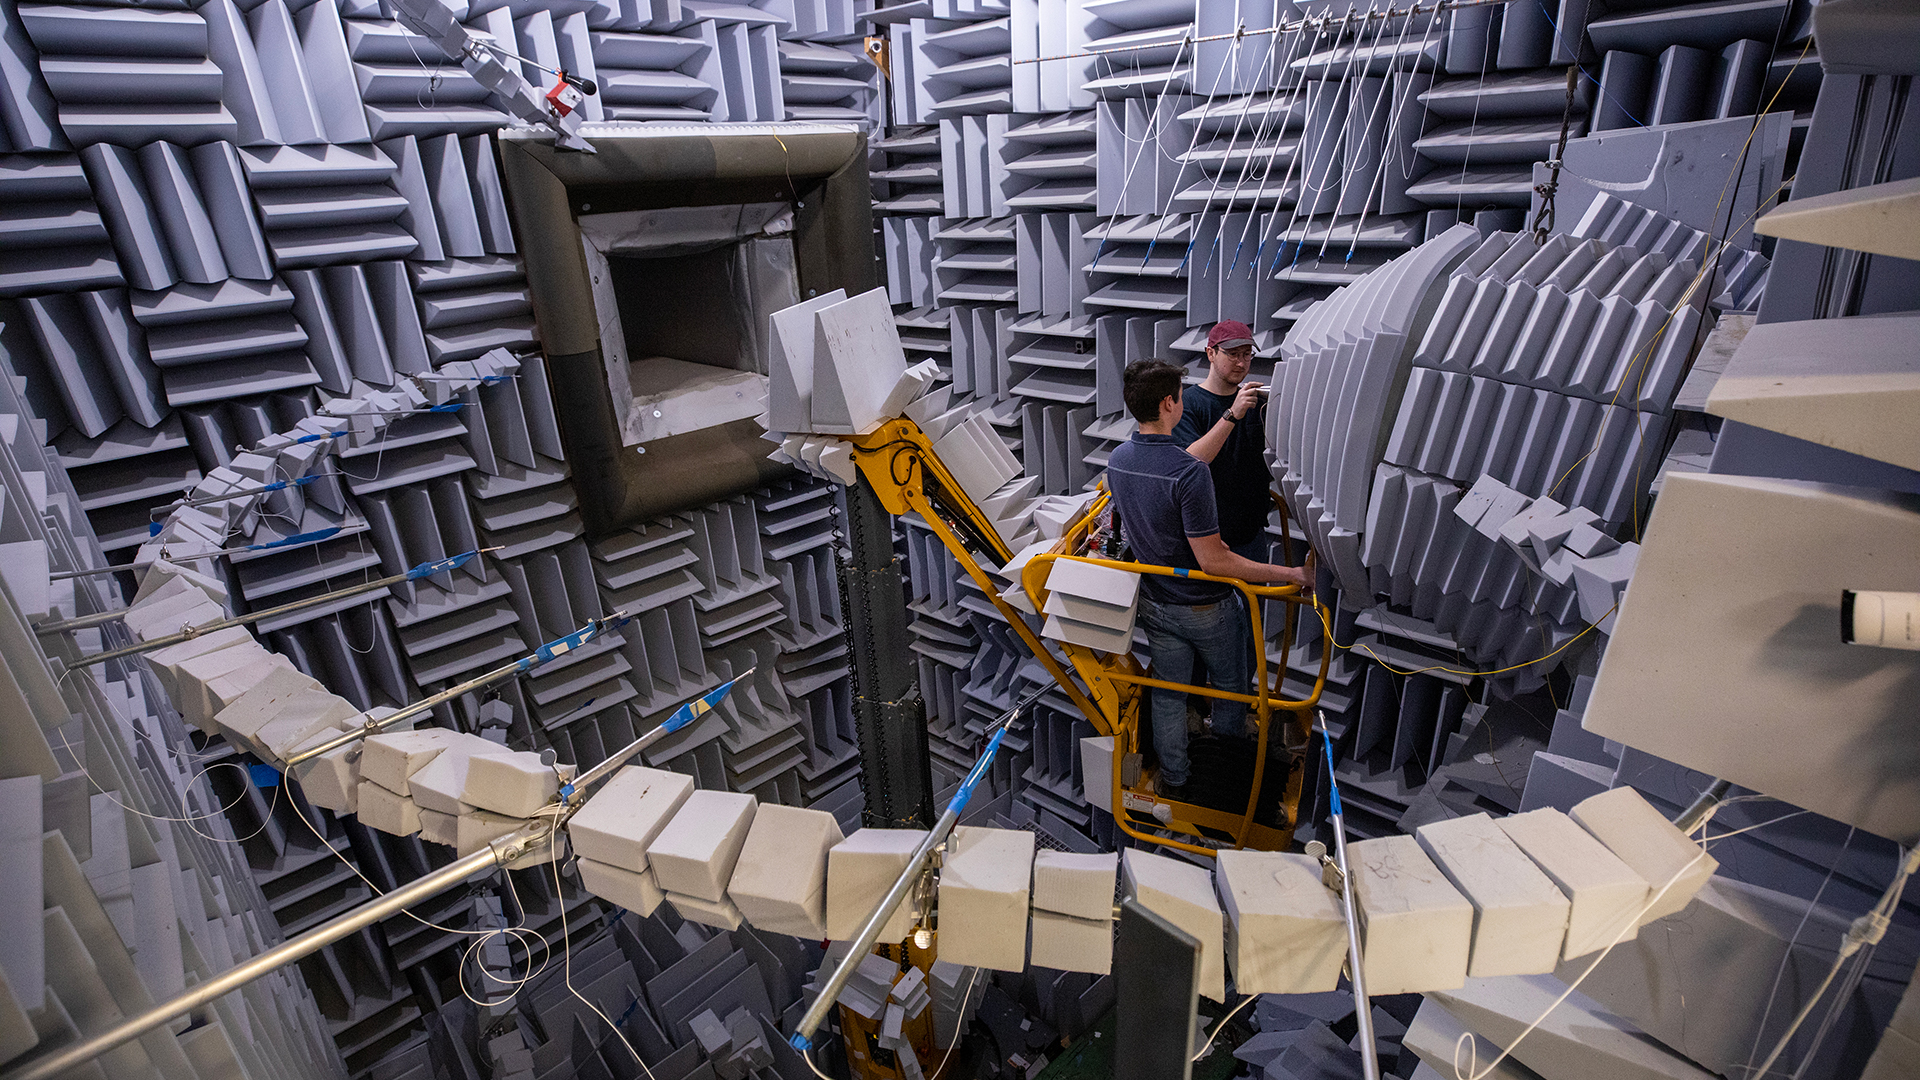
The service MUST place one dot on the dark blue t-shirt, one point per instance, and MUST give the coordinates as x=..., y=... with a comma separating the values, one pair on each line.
x=1165, y=496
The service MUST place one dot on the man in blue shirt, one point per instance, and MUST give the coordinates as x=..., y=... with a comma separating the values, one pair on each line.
x=1166, y=504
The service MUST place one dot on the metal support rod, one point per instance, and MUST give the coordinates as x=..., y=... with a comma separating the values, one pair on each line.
x=499, y=852
x=870, y=932
x=1702, y=806
x=1362, y=1008
x=539, y=656
x=191, y=632
x=79, y=1053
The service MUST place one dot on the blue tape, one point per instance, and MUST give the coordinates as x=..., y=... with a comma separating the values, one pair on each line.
x=264, y=776
x=800, y=1042
x=1333, y=786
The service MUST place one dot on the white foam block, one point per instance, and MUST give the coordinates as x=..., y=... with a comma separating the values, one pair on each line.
x=166, y=662
x=392, y=757
x=1605, y=893
x=300, y=718
x=1069, y=883
x=259, y=705
x=388, y=811
x=439, y=783
x=719, y=914
x=634, y=890
x=170, y=611
x=1417, y=928
x=984, y=885
x=224, y=690
x=331, y=780
x=161, y=573
x=477, y=829
x=1182, y=893
x=860, y=870
x=1644, y=839
x=696, y=852
x=192, y=679
x=514, y=784
x=1066, y=943
x=1520, y=915
x=1286, y=933
x=780, y=881
x=624, y=816
x=439, y=828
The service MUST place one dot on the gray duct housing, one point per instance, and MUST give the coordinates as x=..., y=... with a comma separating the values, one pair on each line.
x=819, y=170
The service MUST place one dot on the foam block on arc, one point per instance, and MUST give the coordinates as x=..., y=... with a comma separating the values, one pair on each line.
x=780, y=881
x=1182, y=894
x=634, y=890
x=300, y=718
x=332, y=780
x=387, y=811
x=193, y=678
x=258, y=706
x=166, y=662
x=1605, y=893
x=439, y=828
x=439, y=783
x=392, y=757
x=1066, y=943
x=696, y=852
x=515, y=784
x=1520, y=915
x=1417, y=930
x=985, y=883
x=479, y=828
x=1073, y=884
x=224, y=690
x=719, y=914
x=860, y=870
x=1286, y=933
x=625, y=815
x=1644, y=839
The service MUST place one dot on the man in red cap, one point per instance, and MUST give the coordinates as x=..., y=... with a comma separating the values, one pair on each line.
x=1223, y=423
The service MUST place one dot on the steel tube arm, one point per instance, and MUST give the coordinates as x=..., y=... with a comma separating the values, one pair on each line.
x=1362, y=1008
x=53, y=1064
x=870, y=932
x=533, y=659
x=498, y=853
x=415, y=574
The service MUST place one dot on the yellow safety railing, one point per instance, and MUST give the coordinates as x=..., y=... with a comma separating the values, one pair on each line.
x=909, y=477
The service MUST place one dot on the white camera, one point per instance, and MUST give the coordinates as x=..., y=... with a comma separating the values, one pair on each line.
x=1890, y=620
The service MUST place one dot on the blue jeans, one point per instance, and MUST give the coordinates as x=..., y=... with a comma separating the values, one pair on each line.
x=1176, y=633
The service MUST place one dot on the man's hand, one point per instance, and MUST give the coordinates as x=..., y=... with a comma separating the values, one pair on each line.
x=1244, y=400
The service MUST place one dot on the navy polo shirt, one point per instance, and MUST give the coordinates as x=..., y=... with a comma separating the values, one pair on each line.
x=1165, y=496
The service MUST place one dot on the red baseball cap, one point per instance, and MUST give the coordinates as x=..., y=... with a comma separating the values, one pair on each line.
x=1228, y=334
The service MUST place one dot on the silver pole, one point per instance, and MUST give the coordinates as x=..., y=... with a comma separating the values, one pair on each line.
x=51, y=1065
x=500, y=852
x=863, y=941
x=1362, y=1008
x=528, y=662
x=375, y=727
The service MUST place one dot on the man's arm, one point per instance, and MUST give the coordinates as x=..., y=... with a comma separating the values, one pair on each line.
x=1208, y=445
x=1218, y=559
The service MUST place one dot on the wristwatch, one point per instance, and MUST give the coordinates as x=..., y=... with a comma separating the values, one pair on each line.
x=1231, y=419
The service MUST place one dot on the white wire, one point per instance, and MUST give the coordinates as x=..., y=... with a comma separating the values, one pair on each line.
x=1467, y=1040
x=566, y=953
x=964, y=998
x=1222, y=1026
x=1866, y=931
